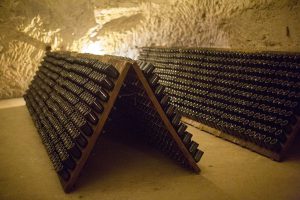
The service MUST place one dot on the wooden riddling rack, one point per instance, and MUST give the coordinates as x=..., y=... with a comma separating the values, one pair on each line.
x=248, y=98
x=72, y=96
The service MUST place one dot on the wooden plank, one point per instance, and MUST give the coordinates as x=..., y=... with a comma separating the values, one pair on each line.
x=159, y=109
x=249, y=145
x=164, y=118
x=123, y=68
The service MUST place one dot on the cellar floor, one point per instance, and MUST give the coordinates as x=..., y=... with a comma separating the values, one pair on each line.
x=129, y=170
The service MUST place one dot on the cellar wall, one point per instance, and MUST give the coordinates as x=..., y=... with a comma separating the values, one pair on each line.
x=121, y=27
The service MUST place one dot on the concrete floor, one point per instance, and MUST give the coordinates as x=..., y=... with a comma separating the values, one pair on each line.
x=124, y=170
x=8, y=103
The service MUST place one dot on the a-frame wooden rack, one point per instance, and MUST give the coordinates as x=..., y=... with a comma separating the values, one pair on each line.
x=125, y=67
x=267, y=124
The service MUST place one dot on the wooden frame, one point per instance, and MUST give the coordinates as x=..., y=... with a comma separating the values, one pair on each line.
x=123, y=67
x=179, y=51
x=249, y=145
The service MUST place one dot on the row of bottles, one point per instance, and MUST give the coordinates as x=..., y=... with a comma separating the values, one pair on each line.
x=66, y=99
x=252, y=96
x=171, y=112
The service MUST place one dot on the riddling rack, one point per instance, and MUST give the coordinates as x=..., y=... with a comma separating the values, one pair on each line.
x=72, y=95
x=249, y=98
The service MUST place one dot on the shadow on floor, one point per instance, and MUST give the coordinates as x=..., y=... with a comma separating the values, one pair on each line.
x=293, y=153
x=125, y=160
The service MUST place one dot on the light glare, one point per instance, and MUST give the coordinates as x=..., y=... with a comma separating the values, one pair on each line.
x=93, y=47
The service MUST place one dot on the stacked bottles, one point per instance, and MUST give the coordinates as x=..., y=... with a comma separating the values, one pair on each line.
x=66, y=99
x=252, y=96
x=155, y=130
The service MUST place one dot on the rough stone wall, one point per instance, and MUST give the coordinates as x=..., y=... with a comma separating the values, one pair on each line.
x=120, y=27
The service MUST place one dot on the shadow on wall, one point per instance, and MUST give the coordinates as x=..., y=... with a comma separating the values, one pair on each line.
x=119, y=28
